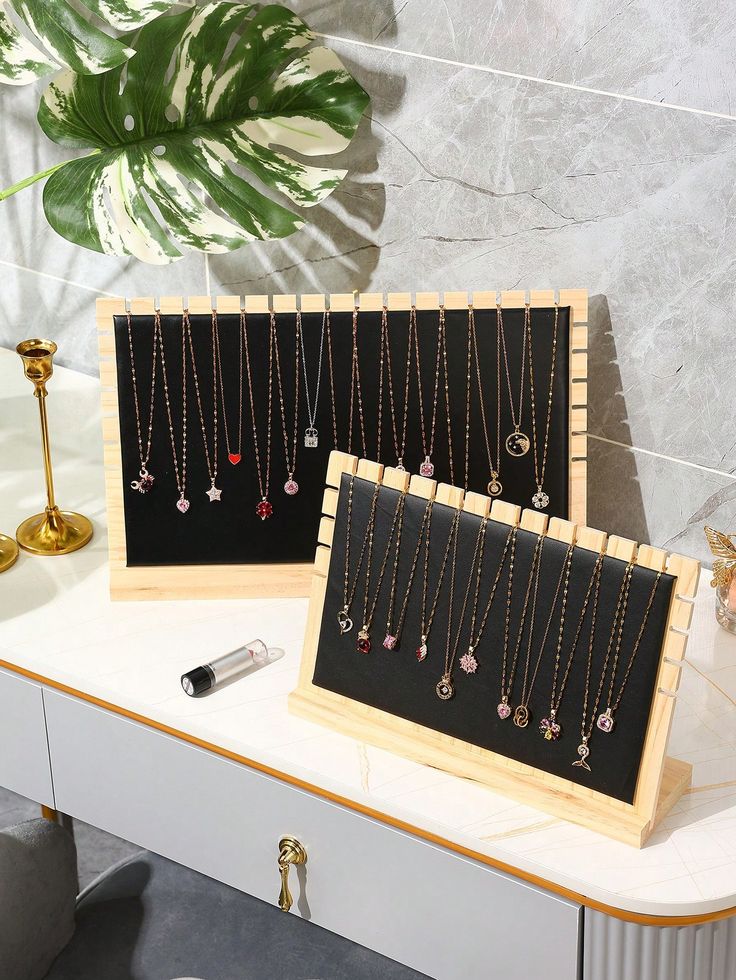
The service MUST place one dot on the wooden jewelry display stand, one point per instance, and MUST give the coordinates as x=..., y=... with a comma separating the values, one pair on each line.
x=660, y=781
x=242, y=577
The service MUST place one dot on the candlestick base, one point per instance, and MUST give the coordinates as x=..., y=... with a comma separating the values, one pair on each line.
x=8, y=552
x=55, y=532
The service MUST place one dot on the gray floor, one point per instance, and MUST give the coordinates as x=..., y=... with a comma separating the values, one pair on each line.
x=96, y=850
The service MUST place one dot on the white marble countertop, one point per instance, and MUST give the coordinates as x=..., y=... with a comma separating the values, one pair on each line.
x=57, y=621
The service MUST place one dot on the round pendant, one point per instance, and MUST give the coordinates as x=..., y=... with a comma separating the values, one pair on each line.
x=344, y=621
x=234, y=458
x=495, y=487
x=503, y=710
x=291, y=487
x=549, y=729
x=182, y=504
x=517, y=444
x=540, y=499
x=427, y=467
x=389, y=641
x=521, y=716
x=605, y=721
x=364, y=642
x=144, y=482
x=444, y=689
x=264, y=509
x=468, y=662
x=421, y=651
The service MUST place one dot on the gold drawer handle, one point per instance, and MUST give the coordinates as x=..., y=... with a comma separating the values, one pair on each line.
x=290, y=852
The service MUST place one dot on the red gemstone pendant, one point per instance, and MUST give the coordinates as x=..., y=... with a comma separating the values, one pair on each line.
x=364, y=642
x=234, y=458
x=264, y=509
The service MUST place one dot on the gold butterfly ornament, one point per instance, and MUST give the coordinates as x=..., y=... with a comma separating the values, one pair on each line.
x=724, y=557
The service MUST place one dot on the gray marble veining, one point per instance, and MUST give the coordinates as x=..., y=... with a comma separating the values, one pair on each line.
x=681, y=52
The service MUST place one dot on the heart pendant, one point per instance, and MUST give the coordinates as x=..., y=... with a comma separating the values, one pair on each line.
x=182, y=505
x=234, y=458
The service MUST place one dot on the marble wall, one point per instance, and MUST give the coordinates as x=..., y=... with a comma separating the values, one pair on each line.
x=523, y=144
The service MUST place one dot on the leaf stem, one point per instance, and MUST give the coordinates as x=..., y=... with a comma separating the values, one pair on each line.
x=27, y=181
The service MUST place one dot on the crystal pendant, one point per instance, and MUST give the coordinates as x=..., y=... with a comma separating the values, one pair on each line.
x=468, y=662
x=421, y=651
x=583, y=752
x=344, y=621
x=427, y=467
x=540, y=499
x=400, y=465
x=311, y=438
x=549, y=729
x=214, y=493
x=390, y=641
x=605, y=721
x=521, y=716
x=264, y=509
x=495, y=487
x=144, y=482
x=182, y=504
x=444, y=688
x=364, y=641
x=503, y=709
x=518, y=443
x=234, y=458
x=291, y=486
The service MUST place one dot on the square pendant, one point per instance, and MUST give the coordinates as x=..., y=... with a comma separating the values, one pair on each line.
x=311, y=439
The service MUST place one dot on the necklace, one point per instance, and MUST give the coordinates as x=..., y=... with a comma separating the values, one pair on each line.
x=145, y=479
x=540, y=498
x=291, y=486
x=606, y=720
x=427, y=467
x=233, y=457
x=495, y=487
x=549, y=727
x=503, y=709
x=355, y=389
x=393, y=635
x=213, y=493
x=182, y=503
x=421, y=652
x=369, y=608
x=445, y=688
x=468, y=661
x=264, y=508
x=348, y=594
x=328, y=332
x=517, y=443
x=311, y=436
x=399, y=448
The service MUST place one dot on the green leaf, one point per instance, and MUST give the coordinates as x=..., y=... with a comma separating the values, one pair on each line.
x=39, y=36
x=217, y=98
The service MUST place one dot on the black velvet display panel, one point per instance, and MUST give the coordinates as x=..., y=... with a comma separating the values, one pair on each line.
x=229, y=531
x=396, y=682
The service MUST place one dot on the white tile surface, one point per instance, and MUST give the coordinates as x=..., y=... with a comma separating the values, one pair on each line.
x=56, y=620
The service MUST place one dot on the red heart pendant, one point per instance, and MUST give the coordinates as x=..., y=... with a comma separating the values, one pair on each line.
x=234, y=458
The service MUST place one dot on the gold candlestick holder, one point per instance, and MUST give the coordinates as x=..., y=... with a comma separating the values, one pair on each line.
x=54, y=532
x=8, y=552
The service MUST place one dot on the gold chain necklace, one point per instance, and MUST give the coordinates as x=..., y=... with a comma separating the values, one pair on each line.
x=364, y=634
x=421, y=652
x=355, y=389
x=291, y=487
x=348, y=594
x=549, y=727
x=495, y=487
x=606, y=721
x=517, y=443
x=468, y=661
x=426, y=468
x=445, y=688
x=213, y=493
x=264, y=507
x=233, y=457
x=540, y=498
x=182, y=503
x=393, y=636
x=399, y=449
x=145, y=479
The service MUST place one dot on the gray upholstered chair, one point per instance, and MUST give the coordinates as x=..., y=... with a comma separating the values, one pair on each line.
x=150, y=919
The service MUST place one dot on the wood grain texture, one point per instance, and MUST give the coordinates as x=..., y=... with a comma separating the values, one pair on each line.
x=661, y=781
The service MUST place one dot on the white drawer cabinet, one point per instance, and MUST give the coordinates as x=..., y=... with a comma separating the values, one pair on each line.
x=24, y=756
x=422, y=905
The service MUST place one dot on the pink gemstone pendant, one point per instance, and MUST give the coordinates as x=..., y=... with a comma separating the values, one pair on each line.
x=389, y=641
x=264, y=509
x=291, y=487
x=549, y=729
x=468, y=662
x=605, y=721
x=503, y=710
x=364, y=641
x=427, y=467
x=182, y=504
x=234, y=458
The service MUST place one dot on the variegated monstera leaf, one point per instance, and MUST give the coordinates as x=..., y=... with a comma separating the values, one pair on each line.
x=215, y=98
x=39, y=36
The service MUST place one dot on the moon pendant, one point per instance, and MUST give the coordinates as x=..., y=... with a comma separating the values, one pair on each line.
x=517, y=444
